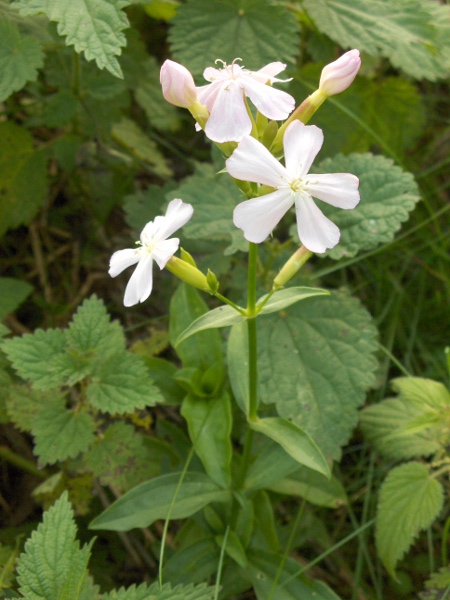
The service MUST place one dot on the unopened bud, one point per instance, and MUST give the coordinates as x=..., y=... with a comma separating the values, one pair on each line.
x=187, y=257
x=292, y=266
x=212, y=281
x=187, y=273
x=339, y=75
x=178, y=85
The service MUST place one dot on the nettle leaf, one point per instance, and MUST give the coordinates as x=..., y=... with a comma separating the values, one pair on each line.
x=388, y=195
x=53, y=564
x=407, y=32
x=20, y=59
x=410, y=499
x=61, y=433
x=94, y=27
x=202, y=32
x=14, y=292
x=166, y=592
x=23, y=404
x=316, y=362
x=23, y=177
x=121, y=384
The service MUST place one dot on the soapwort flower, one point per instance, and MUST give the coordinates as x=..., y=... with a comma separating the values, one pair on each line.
x=224, y=97
x=251, y=161
x=339, y=75
x=154, y=245
x=177, y=84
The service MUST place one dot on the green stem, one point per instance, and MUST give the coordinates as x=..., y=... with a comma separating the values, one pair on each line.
x=21, y=463
x=225, y=300
x=252, y=337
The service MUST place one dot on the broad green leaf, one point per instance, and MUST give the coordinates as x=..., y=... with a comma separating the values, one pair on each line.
x=210, y=422
x=23, y=404
x=316, y=362
x=23, y=183
x=94, y=27
x=404, y=31
x=203, y=32
x=61, y=433
x=296, y=442
x=166, y=592
x=121, y=384
x=53, y=564
x=222, y=316
x=237, y=360
x=12, y=293
x=284, y=298
x=202, y=350
x=271, y=465
x=20, y=59
x=152, y=500
x=423, y=393
x=410, y=500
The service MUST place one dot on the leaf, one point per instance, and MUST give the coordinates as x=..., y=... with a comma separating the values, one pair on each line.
x=61, y=433
x=315, y=362
x=199, y=560
x=23, y=180
x=210, y=422
x=23, y=404
x=14, y=292
x=53, y=565
x=166, y=592
x=222, y=316
x=121, y=384
x=20, y=59
x=202, y=32
x=237, y=360
x=296, y=442
x=271, y=465
x=152, y=500
x=287, y=297
x=405, y=31
x=410, y=500
x=94, y=27
x=423, y=393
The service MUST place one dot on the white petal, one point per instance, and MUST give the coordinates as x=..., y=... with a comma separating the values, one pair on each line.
x=315, y=230
x=207, y=94
x=337, y=189
x=228, y=120
x=177, y=214
x=122, y=259
x=301, y=146
x=268, y=72
x=140, y=285
x=251, y=161
x=212, y=74
x=272, y=103
x=164, y=250
x=258, y=217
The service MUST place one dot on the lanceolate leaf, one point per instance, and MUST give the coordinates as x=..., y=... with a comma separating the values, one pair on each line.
x=287, y=297
x=223, y=316
x=410, y=500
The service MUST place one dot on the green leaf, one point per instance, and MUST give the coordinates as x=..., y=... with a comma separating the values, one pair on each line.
x=202, y=32
x=271, y=465
x=152, y=500
x=23, y=182
x=210, y=422
x=233, y=548
x=14, y=292
x=404, y=31
x=23, y=404
x=222, y=316
x=296, y=442
x=423, y=393
x=53, y=565
x=20, y=59
x=166, y=592
x=199, y=560
x=410, y=500
x=237, y=360
x=121, y=384
x=94, y=27
x=61, y=433
x=316, y=363
x=287, y=297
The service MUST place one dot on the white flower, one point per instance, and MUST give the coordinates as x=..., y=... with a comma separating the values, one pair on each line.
x=257, y=217
x=225, y=96
x=153, y=245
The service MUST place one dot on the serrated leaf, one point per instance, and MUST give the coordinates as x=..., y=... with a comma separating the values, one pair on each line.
x=23, y=177
x=166, y=592
x=388, y=195
x=315, y=362
x=53, y=564
x=410, y=499
x=94, y=27
x=404, y=31
x=61, y=433
x=152, y=500
x=121, y=384
x=202, y=32
x=423, y=393
x=13, y=293
x=20, y=59
x=23, y=404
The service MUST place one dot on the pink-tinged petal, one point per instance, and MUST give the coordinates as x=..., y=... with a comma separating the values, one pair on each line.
x=178, y=85
x=251, y=161
x=258, y=217
x=178, y=214
x=212, y=74
x=301, y=143
x=337, y=189
x=339, y=75
x=140, y=285
x=272, y=103
x=228, y=120
x=315, y=230
x=207, y=94
x=164, y=250
x=268, y=72
x=123, y=259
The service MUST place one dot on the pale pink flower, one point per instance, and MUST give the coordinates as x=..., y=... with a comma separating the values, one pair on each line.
x=224, y=97
x=339, y=75
x=153, y=246
x=251, y=161
x=178, y=85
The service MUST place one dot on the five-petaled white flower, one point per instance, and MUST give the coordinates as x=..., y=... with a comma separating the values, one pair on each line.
x=224, y=97
x=257, y=217
x=153, y=245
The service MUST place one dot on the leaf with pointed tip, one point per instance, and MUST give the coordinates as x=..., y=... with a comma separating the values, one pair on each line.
x=287, y=297
x=222, y=316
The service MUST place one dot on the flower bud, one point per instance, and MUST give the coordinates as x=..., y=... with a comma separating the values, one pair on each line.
x=178, y=85
x=187, y=273
x=338, y=75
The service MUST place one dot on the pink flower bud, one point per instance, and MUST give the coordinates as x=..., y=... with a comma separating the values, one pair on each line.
x=178, y=85
x=339, y=75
